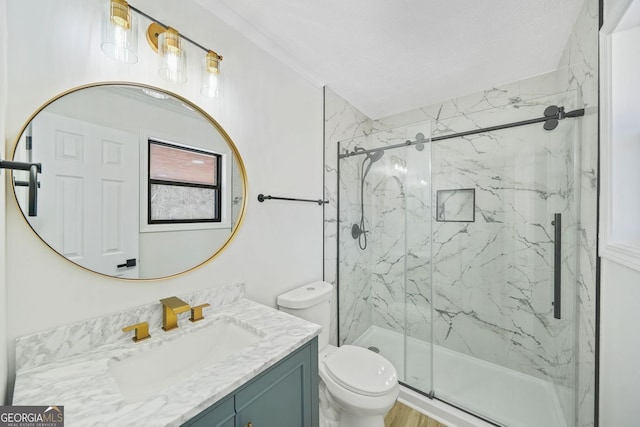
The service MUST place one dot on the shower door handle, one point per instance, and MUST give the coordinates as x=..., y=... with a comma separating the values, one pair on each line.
x=557, y=264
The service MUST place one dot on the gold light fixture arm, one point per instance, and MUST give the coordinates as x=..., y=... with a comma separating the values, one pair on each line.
x=153, y=32
x=156, y=28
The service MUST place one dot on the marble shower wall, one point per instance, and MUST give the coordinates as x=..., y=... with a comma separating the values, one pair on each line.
x=342, y=122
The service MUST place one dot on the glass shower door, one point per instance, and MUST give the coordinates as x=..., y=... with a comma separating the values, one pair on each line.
x=449, y=257
x=504, y=240
x=384, y=239
x=418, y=329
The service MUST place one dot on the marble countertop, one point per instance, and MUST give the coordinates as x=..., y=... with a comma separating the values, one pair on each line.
x=83, y=384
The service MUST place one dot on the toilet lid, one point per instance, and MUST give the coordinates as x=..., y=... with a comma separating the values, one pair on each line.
x=361, y=371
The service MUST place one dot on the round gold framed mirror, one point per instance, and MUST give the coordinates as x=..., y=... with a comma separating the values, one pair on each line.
x=135, y=182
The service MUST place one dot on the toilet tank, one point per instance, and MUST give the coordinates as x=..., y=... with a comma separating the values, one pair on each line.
x=311, y=302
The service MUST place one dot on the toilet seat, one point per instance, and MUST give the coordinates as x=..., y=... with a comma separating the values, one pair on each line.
x=361, y=371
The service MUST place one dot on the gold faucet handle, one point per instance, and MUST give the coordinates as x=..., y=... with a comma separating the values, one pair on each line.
x=196, y=312
x=142, y=331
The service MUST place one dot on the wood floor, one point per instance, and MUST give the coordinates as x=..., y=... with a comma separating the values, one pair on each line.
x=403, y=416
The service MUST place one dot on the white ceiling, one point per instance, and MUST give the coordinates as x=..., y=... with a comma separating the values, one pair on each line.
x=631, y=18
x=390, y=56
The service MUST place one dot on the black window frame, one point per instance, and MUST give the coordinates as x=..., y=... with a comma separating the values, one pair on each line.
x=217, y=188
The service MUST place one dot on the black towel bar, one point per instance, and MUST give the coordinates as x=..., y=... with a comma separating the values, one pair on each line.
x=262, y=198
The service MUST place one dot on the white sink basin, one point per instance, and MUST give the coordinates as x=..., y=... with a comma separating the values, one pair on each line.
x=148, y=372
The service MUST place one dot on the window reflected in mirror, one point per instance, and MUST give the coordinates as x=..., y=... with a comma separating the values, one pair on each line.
x=184, y=184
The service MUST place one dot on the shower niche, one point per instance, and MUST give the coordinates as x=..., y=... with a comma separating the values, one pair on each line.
x=456, y=205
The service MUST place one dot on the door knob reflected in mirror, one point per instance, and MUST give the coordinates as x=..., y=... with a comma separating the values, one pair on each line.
x=130, y=263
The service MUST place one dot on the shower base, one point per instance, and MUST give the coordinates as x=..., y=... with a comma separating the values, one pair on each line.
x=503, y=395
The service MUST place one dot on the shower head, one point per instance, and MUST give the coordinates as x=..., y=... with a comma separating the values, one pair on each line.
x=374, y=156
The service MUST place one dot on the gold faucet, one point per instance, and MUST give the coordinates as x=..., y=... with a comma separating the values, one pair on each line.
x=171, y=307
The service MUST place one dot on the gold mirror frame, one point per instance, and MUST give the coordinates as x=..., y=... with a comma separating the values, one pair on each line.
x=234, y=151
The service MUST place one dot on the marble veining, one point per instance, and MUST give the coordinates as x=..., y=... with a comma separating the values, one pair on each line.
x=79, y=378
x=79, y=337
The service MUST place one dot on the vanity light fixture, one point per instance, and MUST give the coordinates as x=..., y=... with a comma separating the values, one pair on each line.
x=119, y=32
x=211, y=85
x=120, y=39
x=167, y=42
x=172, y=58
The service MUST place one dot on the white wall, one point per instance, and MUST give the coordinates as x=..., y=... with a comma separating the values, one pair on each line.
x=273, y=116
x=619, y=204
x=3, y=290
x=619, y=345
x=625, y=68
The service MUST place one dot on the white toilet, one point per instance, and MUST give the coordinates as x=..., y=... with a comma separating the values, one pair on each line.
x=357, y=386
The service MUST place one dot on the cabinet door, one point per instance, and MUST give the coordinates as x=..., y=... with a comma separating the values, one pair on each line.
x=284, y=396
x=218, y=415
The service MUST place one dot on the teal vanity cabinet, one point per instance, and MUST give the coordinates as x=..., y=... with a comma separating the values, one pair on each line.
x=286, y=395
x=220, y=414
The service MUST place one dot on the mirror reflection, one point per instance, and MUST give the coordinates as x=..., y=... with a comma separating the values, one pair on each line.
x=136, y=183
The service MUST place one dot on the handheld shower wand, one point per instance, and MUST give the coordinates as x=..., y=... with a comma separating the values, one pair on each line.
x=358, y=230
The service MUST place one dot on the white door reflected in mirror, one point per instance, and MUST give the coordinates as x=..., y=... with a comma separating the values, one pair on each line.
x=92, y=178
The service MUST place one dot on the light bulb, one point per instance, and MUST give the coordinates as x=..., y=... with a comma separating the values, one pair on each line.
x=173, y=59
